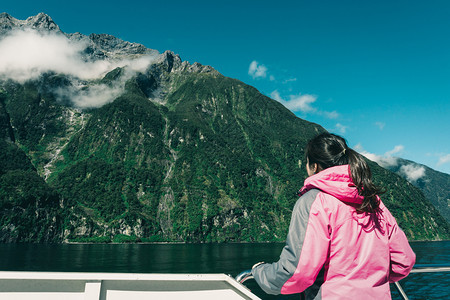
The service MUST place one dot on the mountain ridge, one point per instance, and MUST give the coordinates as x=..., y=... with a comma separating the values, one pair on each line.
x=178, y=152
x=433, y=183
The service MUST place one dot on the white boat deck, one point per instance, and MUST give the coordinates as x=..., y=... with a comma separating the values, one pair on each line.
x=119, y=286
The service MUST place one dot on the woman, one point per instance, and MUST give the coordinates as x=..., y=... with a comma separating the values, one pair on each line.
x=343, y=243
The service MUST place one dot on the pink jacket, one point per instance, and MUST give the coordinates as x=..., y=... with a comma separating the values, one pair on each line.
x=334, y=252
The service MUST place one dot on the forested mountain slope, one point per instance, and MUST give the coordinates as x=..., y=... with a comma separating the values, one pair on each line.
x=170, y=152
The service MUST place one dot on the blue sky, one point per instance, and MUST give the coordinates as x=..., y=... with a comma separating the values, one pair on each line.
x=377, y=73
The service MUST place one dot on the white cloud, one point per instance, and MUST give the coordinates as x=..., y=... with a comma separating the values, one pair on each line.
x=331, y=114
x=257, y=70
x=397, y=149
x=303, y=103
x=289, y=80
x=444, y=159
x=380, y=125
x=91, y=96
x=358, y=147
x=26, y=54
x=296, y=102
x=276, y=96
x=341, y=128
x=386, y=160
x=412, y=172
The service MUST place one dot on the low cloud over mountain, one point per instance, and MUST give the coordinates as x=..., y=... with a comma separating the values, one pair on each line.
x=410, y=171
x=26, y=54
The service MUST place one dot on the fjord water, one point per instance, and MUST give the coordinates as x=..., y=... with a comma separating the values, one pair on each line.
x=198, y=258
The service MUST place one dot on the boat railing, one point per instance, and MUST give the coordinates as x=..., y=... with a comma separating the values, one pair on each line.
x=244, y=276
x=418, y=268
x=423, y=268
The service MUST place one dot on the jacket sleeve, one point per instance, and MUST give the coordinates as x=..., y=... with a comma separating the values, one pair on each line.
x=303, y=255
x=402, y=256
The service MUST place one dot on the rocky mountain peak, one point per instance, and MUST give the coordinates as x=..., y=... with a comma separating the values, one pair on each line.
x=112, y=44
x=40, y=22
x=7, y=23
x=170, y=60
x=5, y=18
x=173, y=62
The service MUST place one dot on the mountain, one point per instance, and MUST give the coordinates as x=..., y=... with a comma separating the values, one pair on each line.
x=117, y=142
x=29, y=208
x=434, y=184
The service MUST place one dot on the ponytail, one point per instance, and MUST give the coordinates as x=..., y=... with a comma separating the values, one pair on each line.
x=329, y=150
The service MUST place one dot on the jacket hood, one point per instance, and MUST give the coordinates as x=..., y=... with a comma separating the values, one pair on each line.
x=335, y=181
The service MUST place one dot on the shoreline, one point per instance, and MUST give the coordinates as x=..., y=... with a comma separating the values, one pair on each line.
x=195, y=243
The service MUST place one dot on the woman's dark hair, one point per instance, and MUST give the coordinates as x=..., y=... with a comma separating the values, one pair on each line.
x=329, y=150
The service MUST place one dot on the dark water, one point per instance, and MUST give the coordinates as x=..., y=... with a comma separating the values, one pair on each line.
x=198, y=258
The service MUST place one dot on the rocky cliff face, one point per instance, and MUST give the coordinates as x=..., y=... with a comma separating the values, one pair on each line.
x=173, y=152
